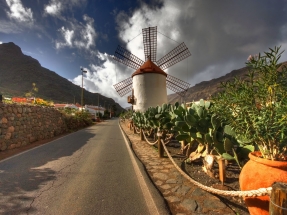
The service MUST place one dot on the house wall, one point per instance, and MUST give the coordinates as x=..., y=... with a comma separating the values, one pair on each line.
x=23, y=124
x=94, y=110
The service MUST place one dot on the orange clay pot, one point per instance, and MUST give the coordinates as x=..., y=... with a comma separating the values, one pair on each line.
x=261, y=173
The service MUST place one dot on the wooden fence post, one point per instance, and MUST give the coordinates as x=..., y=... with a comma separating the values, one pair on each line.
x=134, y=128
x=160, y=146
x=141, y=134
x=278, y=199
x=222, y=173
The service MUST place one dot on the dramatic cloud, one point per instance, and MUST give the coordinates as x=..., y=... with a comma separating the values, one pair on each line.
x=100, y=79
x=220, y=36
x=18, y=12
x=78, y=35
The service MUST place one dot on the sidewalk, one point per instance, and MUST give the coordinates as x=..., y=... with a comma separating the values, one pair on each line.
x=182, y=196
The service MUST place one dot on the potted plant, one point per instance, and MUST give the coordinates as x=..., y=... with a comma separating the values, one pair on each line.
x=256, y=108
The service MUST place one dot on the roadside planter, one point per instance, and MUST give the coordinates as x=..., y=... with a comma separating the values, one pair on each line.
x=261, y=173
x=256, y=109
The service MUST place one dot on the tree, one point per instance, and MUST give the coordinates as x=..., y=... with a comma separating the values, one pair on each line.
x=33, y=91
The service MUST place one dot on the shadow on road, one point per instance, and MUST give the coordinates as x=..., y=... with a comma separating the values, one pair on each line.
x=21, y=176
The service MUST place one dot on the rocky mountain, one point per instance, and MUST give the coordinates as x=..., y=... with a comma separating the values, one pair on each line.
x=205, y=89
x=19, y=71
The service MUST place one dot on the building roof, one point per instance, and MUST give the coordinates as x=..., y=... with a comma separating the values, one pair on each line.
x=149, y=67
x=65, y=106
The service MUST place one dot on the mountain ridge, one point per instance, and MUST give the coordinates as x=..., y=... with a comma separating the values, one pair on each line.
x=205, y=89
x=18, y=71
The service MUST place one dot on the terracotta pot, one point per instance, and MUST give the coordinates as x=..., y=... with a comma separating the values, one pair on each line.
x=261, y=173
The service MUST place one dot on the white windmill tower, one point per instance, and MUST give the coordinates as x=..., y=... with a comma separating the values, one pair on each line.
x=149, y=82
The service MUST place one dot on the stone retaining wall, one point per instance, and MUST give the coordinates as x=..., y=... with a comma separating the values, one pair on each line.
x=23, y=124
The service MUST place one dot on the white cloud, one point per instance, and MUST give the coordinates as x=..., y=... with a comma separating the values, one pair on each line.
x=54, y=8
x=0, y=42
x=87, y=34
x=18, y=12
x=219, y=35
x=68, y=36
x=100, y=79
x=78, y=35
x=9, y=27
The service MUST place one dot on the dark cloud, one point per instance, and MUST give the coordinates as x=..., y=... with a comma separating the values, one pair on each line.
x=219, y=34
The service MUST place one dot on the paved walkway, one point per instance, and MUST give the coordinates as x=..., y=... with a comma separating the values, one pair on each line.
x=182, y=196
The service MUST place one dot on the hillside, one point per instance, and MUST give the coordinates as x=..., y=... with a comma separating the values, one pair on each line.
x=205, y=89
x=19, y=71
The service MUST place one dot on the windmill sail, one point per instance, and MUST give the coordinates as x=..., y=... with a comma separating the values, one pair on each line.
x=125, y=57
x=150, y=43
x=176, y=85
x=176, y=55
x=150, y=48
x=124, y=86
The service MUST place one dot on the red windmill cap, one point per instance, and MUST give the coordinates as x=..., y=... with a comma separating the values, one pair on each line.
x=149, y=67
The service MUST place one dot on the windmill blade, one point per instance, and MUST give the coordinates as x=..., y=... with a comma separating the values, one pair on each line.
x=124, y=86
x=176, y=55
x=125, y=57
x=176, y=85
x=150, y=43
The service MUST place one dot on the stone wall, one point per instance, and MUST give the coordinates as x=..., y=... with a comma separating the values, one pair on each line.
x=23, y=124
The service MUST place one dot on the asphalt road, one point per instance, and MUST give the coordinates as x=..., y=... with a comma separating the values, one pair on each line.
x=91, y=171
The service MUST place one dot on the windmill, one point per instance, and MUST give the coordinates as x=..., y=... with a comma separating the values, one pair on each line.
x=149, y=82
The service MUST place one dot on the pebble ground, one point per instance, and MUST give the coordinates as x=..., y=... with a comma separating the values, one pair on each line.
x=182, y=196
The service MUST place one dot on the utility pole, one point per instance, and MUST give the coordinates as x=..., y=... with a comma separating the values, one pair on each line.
x=82, y=99
x=98, y=105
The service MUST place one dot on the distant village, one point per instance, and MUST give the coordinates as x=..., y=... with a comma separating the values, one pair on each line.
x=95, y=111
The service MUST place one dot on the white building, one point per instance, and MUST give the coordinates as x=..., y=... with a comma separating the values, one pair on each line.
x=66, y=106
x=94, y=110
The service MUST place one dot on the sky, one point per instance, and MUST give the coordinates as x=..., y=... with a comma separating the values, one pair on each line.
x=67, y=35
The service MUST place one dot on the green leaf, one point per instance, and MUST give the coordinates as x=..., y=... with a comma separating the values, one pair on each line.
x=227, y=144
x=215, y=122
x=228, y=130
x=190, y=140
x=191, y=111
x=219, y=147
x=244, y=151
x=198, y=135
x=227, y=157
x=190, y=120
x=164, y=107
x=207, y=104
x=176, y=104
x=181, y=137
x=185, y=128
x=208, y=139
x=201, y=102
x=158, y=116
x=176, y=128
x=180, y=123
x=199, y=112
x=167, y=125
